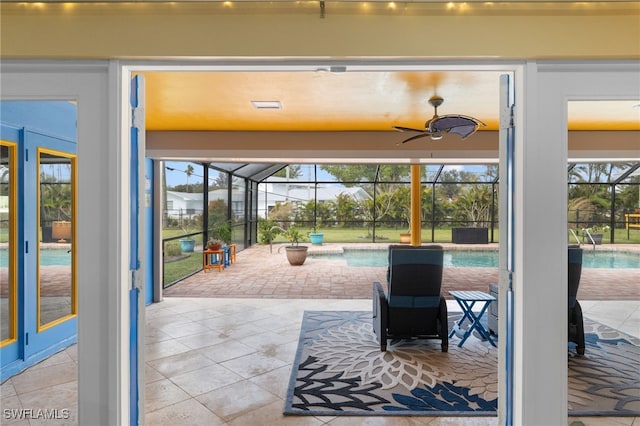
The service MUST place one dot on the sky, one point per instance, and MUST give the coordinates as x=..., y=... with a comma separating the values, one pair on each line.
x=175, y=172
x=177, y=176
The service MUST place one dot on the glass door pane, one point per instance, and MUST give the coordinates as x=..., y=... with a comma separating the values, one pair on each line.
x=56, y=207
x=8, y=183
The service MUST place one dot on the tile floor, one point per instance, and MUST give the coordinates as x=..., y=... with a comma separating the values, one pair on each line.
x=219, y=348
x=226, y=361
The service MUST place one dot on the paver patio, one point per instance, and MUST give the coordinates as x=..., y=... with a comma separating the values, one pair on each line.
x=262, y=271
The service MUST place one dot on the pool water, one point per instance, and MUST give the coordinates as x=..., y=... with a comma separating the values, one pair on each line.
x=51, y=257
x=48, y=257
x=484, y=259
x=610, y=259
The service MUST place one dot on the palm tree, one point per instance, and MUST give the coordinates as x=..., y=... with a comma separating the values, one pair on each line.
x=474, y=204
x=188, y=172
x=292, y=171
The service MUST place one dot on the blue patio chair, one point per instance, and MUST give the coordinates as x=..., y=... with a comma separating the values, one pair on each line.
x=576, y=325
x=412, y=307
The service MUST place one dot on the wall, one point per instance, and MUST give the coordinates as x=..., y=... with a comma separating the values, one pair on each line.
x=491, y=30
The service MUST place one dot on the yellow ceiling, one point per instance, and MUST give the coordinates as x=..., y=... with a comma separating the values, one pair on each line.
x=342, y=101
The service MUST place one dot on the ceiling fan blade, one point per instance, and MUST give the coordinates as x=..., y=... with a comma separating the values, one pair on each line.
x=407, y=129
x=463, y=131
x=422, y=135
x=460, y=124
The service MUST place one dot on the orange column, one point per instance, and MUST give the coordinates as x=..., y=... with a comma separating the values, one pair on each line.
x=416, y=220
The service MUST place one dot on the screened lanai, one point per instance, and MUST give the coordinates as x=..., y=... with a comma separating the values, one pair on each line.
x=245, y=203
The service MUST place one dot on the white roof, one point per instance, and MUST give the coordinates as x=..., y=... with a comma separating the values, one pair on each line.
x=325, y=193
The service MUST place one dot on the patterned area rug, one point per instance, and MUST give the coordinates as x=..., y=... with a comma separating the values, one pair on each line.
x=339, y=370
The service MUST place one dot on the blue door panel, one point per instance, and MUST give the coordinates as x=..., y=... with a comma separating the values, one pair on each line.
x=136, y=166
x=33, y=124
x=38, y=342
x=133, y=356
x=9, y=133
x=54, y=118
x=148, y=290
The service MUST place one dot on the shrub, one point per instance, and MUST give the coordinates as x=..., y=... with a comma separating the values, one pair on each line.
x=264, y=227
x=172, y=248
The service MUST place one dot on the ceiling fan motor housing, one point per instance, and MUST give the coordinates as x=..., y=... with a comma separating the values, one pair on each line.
x=435, y=101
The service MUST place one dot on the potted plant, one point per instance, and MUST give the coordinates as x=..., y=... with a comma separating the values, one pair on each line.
x=596, y=233
x=316, y=237
x=220, y=236
x=214, y=243
x=187, y=245
x=296, y=254
x=223, y=232
x=405, y=237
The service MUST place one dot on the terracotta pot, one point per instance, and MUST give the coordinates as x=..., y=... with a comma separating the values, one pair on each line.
x=296, y=255
x=214, y=246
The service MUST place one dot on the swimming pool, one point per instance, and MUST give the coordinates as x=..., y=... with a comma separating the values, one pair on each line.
x=484, y=258
x=48, y=257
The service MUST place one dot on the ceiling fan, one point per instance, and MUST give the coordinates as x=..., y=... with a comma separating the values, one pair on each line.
x=439, y=124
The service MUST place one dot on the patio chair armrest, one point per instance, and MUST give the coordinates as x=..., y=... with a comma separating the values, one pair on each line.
x=379, y=299
x=380, y=307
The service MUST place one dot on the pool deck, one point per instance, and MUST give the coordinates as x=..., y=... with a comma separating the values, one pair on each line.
x=264, y=272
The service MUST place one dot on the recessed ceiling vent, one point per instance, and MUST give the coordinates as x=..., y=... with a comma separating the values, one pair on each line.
x=266, y=104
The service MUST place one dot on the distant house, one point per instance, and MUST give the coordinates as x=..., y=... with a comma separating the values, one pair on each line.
x=183, y=205
x=188, y=205
x=276, y=191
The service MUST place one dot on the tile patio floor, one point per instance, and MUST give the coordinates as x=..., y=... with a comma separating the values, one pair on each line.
x=225, y=359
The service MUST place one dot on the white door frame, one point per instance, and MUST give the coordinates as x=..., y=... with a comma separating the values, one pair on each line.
x=515, y=69
x=102, y=296
x=540, y=290
x=540, y=341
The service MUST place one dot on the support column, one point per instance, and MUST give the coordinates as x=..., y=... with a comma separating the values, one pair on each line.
x=416, y=220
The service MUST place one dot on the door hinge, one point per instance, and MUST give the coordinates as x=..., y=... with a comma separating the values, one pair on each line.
x=138, y=117
x=137, y=279
x=508, y=117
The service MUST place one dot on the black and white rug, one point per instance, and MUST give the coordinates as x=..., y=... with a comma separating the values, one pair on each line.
x=340, y=370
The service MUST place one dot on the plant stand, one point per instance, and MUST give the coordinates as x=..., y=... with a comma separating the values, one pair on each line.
x=213, y=259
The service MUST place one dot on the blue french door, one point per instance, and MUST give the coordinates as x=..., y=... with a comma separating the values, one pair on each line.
x=44, y=300
x=507, y=265
x=141, y=283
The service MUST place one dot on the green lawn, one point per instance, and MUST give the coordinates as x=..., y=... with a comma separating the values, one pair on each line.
x=442, y=235
x=173, y=232
x=624, y=237
x=182, y=266
x=383, y=235
x=621, y=237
